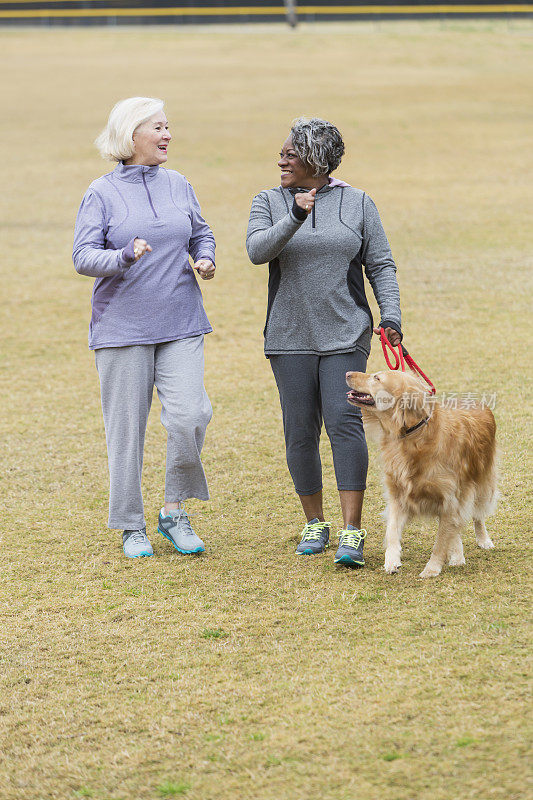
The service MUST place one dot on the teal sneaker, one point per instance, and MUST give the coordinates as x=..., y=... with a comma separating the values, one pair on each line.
x=136, y=544
x=315, y=538
x=350, y=550
x=176, y=527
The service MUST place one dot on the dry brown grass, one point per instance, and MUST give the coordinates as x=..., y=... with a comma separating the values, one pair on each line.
x=249, y=673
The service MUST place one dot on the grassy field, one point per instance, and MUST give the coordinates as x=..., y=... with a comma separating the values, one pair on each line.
x=249, y=673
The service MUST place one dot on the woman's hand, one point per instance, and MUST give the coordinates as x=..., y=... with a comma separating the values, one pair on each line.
x=140, y=247
x=305, y=200
x=205, y=269
x=392, y=335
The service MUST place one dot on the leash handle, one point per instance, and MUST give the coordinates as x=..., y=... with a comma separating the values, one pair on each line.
x=402, y=358
x=399, y=356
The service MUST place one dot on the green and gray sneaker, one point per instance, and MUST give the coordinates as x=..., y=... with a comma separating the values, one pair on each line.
x=350, y=550
x=315, y=538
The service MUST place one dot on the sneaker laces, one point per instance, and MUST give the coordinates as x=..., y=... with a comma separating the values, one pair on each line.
x=137, y=537
x=313, y=531
x=181, y=518
x=351, y=538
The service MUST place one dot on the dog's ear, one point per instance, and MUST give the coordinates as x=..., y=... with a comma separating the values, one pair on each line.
x=412, y=405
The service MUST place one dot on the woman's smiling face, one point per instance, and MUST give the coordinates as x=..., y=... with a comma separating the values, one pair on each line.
x=294, y=173
x=151, y=141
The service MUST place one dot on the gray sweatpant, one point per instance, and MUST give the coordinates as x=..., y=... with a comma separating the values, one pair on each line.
x=127, y=379
x=313, y=388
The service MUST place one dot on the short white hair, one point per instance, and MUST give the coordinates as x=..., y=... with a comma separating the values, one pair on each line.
x=115, y=143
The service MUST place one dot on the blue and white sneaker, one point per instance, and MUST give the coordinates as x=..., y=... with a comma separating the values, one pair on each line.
x=350, y=550
x=136, y=544
x=176, y=527
x=315, y=538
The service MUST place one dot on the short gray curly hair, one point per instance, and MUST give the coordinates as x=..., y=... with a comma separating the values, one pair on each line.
x=318, y=144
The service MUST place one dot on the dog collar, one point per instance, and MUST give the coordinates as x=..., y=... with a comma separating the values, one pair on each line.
x=415, y=427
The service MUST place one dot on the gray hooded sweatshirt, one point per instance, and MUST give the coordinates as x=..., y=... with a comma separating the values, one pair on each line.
x=316, y=293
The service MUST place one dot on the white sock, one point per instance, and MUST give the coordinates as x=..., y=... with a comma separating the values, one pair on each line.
x=165, y=514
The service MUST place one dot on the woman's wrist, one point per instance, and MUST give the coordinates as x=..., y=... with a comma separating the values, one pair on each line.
x=387, y=323
x=128, y=253
x=300, y=214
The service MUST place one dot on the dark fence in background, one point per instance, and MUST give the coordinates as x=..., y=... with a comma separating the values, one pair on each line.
x=181, y=12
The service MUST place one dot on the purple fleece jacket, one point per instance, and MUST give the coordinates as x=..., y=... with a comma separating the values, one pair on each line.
x=156, y=299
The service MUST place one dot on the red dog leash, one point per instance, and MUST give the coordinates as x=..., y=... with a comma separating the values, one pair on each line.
x=402, y=358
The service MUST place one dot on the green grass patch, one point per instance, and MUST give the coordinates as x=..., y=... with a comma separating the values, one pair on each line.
x=392, y=755
x=465, y=741
x=169, y=789
x=214, y=633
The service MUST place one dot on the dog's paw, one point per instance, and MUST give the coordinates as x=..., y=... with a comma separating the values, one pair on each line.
x=456, y=560
x=486, y=544
x=392, y=565
x=392, y=562
x=430, y=571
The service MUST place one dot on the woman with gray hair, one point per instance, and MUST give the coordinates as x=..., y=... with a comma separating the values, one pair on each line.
x=135, y=230
x=318, y=233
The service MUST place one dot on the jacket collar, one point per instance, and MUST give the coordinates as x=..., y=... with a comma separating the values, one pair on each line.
x=133, y=173
x=336, y=182
x=332, y=182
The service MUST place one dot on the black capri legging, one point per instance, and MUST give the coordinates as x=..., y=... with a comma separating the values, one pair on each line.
x=312, y=388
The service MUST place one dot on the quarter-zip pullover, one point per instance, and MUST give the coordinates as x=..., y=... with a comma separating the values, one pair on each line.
x=156, y=299
x=316, y=295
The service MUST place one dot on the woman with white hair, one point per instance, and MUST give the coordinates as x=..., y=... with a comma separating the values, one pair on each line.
x=318, y=233
x=135, y=230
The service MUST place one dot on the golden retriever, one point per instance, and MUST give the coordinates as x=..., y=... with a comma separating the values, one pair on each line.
x=437, y=461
